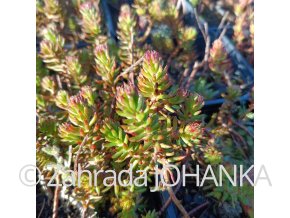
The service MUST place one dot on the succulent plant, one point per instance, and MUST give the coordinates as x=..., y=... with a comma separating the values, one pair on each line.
x=243, y=28
x=219, y=61
x=51, y=50
x=52, y=10
x=91, y=20
x=127, y=35
x=115, y=105
x=141, y=124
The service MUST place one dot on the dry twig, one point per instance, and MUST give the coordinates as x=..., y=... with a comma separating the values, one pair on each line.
x=224, y=19
x=173, y=54
x=147, y=32
x=84, y=211
x=129, y=69
x=58, y=80
x=207, y=44
x=206, y=37
x=194, y=210
x=56, y=197
x=199, y=24
x=243, y=127
x=183, y=76
x=79, y=152
x=170, y=199
x=174, y=198
x=197, y=66
x=223, y=32
x=227, y=79
x=42, y=207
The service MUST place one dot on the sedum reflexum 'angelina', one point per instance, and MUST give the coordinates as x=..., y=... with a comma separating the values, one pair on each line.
x=74, y=70
x=51, y=50
x=52, y=10
x=106, y=69
x=219, y=61
x=153, y=80
x=127, y=36
x=91, y=20
x=105, y=65
x=144, y=125
x=89, y=114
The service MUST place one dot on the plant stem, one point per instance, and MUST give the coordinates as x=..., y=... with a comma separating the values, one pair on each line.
x=56, y=197
x=199, y=24
x=147, y=32
x=174, y=198
x=84, y=211
x=42, y=207
x=170, y=199
x=79, y=152
x=243, y=127
x=128, y=69
x=173, y=54
x=194, y=210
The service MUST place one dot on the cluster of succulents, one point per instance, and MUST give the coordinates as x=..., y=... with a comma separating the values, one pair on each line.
x=135, y=101
x=240, y=15
x=244, y=28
